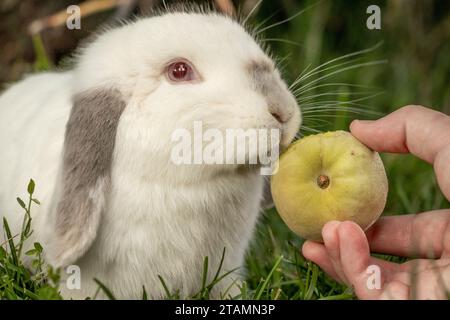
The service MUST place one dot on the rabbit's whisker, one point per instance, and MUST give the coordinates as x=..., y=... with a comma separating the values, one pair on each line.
x=316, y=122
x=314, y=96
x=322, y=70
x=360, y=65
x=282, y=41
x=276, y=24
x=255, y=7
x=308, y=129
x=320, y=108
x=303, y=72
x=166, y=7
x=281, y=61
x=338, y=108
x=337, y=84
x=304, y=75
x=262, y=23
x=306, y=105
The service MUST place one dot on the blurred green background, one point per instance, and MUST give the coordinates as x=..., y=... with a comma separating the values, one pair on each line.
x=409, y=64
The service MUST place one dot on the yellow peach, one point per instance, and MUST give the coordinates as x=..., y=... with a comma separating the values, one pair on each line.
x=329, y=176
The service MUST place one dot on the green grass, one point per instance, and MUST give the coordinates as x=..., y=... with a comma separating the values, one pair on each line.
x=399, y=71
x=271, y=275
x=17, y=280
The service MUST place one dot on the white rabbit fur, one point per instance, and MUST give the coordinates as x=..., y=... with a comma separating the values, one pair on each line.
x=149, y=217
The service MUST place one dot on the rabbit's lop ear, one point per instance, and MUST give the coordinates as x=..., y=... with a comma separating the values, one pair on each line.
x=85, y=177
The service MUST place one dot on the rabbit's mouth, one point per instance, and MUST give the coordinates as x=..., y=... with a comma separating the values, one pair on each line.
x=290, y=130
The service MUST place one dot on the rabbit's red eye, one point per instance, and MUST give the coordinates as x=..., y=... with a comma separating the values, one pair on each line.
x=180, y=71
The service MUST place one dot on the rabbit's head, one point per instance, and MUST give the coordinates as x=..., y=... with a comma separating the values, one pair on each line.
x=138, y=84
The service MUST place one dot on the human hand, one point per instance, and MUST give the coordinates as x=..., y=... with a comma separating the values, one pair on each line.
x=345, y=253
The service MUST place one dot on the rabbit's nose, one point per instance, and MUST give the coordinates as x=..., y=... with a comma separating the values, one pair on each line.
x=278, y=117
x=282, y=116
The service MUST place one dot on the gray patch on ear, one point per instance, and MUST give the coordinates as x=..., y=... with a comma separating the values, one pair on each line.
x=265, y=82
x=87, y=157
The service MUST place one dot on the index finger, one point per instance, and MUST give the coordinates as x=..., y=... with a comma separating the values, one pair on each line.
x=422, y=235
x=415, y=129
x=421, y=131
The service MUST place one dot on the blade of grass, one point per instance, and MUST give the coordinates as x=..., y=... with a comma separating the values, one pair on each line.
x=265, y=283
x=107, y=292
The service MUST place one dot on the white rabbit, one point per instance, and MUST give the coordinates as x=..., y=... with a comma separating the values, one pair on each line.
x=97, y=141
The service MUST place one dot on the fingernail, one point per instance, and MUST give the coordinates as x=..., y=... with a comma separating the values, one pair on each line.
x=360, y=122
x=333, y=222
x=331, y=225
